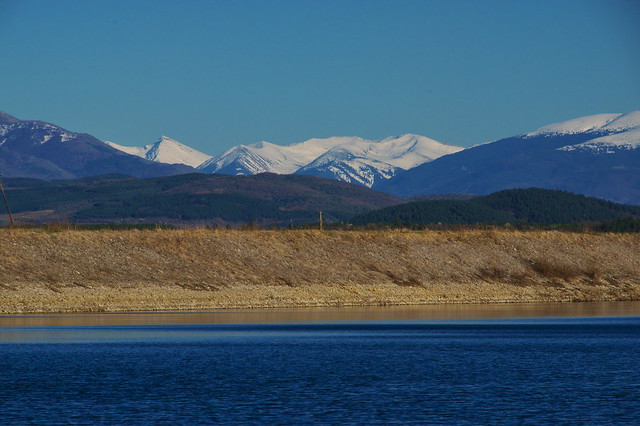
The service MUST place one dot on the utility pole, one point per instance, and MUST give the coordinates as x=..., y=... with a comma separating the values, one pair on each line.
x=6, y=203
x=320, y=218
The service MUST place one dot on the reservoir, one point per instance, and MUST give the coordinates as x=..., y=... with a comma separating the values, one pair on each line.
x=466, y=364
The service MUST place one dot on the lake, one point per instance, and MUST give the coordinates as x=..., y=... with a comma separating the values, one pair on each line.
x=464, y=364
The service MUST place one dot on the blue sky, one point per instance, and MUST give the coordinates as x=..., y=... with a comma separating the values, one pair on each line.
x=213, y=74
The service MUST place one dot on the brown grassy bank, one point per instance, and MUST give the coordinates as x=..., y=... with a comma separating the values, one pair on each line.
x=200, y=269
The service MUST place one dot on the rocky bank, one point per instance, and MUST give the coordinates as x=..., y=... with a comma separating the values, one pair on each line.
x=109, y=271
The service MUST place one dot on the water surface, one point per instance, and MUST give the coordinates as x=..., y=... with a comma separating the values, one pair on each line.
x=396, y=366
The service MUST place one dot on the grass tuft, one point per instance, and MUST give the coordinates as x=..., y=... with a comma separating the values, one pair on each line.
x=554, y=269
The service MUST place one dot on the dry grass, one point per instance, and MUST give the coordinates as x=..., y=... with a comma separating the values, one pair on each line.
x=549, y=268
x=189, y=269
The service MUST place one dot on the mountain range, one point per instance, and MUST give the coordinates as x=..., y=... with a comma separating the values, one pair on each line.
x=597, y=155
x=348, y=159
x=370, y=163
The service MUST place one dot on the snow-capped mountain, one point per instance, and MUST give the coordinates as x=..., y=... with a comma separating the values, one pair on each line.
x=370, y=162
x=599, y=123
x=165, y=150
x=597, y=155
x=627, y=140
x=36, y=149
x=346, y=158
x=264, y=157
x=611, y=132
x=37, y=132
x=349, y=159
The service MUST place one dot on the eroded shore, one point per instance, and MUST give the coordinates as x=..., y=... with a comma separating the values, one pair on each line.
x=111, y=271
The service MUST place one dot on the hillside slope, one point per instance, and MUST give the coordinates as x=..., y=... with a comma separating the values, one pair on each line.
x=200, y=269
x=533, y=205
x=265, y=199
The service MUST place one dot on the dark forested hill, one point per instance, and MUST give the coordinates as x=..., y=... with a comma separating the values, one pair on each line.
x=531, y=205
x=264, y=199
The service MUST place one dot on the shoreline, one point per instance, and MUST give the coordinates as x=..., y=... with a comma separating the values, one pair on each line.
x=345, y=314
x=196, y=270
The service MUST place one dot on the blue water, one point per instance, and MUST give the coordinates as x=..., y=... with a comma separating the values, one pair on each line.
x=545, y=371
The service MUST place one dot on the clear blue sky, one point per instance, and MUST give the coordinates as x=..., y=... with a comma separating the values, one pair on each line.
x=214, y=74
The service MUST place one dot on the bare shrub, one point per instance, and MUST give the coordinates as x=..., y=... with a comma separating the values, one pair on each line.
x=289, y=281
x=595, y=274
x=198, y=286
x=554, y=269
x=397, y=279
x=492, y=273
x=410, y=282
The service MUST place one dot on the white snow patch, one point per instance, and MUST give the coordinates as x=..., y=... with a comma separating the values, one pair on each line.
x=265, y=156
x=607, y=123
x=348, y=158
x=165, y=150
x=139, y=151
x=627, y=140
x=624, y=122
x=577, y=125
x=66, y=136
x=366, y=161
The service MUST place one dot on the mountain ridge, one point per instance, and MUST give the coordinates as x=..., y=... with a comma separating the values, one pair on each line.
x=347, y=158
x=597, y=155
x=33, y=148
x=370, y=162
x=602, y=161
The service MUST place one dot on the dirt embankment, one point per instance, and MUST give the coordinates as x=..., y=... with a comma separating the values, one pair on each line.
x=90, y=271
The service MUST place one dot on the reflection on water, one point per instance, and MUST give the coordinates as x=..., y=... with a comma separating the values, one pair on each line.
x=336, y=315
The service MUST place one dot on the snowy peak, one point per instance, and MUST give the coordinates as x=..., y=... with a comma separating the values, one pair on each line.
x=601, y=133
x=369, y=162
x=596, y=155
x=606, y=123
x=266, y=157
x=249, y=159
x=404, y=152
x=313, y=148
x=346, y=158
x=590, y=123
x=408, y=151
x=165, y=150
